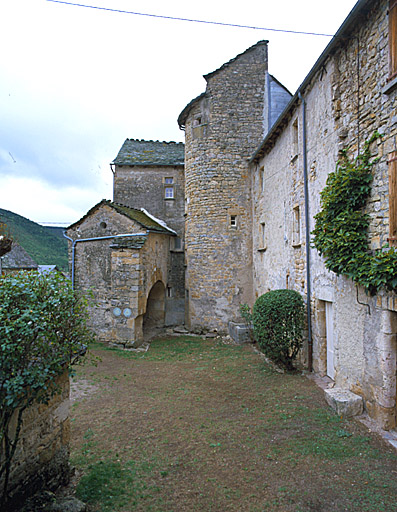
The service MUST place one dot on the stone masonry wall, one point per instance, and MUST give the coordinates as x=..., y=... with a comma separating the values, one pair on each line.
x=344, y=106
x=42, y=455
x=144, y=187
x=222, y=131
x=134, y=273
x=93, y=264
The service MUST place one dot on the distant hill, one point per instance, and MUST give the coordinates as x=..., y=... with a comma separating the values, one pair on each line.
x=45, y=245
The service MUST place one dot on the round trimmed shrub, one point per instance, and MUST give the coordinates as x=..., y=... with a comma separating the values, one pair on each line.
x=278, y=319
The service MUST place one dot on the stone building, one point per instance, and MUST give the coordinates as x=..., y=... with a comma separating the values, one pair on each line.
x=241, y=211
x=15, y=260
x=223, y=126
x=122, y=255
x=349, y=93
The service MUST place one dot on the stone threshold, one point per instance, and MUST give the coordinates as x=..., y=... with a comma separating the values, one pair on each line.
x=389, y=436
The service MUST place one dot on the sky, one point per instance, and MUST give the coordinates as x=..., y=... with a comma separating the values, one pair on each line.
x=75, y=82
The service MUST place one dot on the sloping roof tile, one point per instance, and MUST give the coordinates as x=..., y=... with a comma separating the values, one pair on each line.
x=149, y=153
x=138, y=216
x=18, y=258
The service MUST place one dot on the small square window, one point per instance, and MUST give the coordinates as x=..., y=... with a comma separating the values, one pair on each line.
x=233, y=221
x=169, y=192
x=169, y=181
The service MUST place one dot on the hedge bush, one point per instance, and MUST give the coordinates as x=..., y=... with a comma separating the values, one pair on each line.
x=278, y=319
x=42, y=329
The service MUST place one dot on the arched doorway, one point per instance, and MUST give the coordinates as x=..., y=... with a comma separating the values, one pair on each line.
x=153, y=319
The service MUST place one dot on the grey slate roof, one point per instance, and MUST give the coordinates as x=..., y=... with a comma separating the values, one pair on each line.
x=132, y=213
x=150, y=153
x=18, y=259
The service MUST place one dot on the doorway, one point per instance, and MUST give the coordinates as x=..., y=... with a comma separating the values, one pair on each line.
x=329, y=333
x=153, y=319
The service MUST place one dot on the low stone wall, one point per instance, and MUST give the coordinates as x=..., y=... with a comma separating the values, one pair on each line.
x=42, y=455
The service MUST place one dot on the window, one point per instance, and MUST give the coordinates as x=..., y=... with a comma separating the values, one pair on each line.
x=169, y=188
x=169, y=192
x=295, y=138
x=262, y=179
x=393, y=199
x=296, y=220
x=392, y=39
x=233, y=221
x=177, y=243
x=262, y=237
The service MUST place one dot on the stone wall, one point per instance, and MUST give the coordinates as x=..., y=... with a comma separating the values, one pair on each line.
x=120, y=273
x=144, y=187
x=222, y=130
x=92, y=263
x=42, y=456
x=345, y=103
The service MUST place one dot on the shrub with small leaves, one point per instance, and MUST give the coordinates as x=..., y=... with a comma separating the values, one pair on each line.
x=42, y=328
x=278, y=318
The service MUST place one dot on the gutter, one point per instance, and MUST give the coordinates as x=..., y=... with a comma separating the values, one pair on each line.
x=307, y=232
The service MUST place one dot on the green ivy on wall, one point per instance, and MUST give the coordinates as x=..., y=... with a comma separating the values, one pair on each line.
x=340, y=233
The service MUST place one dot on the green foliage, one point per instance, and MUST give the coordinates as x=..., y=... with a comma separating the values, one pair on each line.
x=45, y=245
x=42, y=328
x=278, y=318
x=340, y=233
x=246, y=314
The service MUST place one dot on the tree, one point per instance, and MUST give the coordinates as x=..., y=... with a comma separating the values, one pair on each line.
x=42, y=329
x=5, y=240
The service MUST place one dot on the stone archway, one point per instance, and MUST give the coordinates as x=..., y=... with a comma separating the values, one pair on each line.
x=153, y=319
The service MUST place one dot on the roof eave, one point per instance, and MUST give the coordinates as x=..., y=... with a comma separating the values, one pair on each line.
x=332, y=45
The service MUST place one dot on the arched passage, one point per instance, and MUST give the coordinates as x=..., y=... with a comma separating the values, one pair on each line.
x=153, y=319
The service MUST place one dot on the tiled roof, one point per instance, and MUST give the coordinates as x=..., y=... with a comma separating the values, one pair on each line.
x=18, y=258
x=150, y=153
x=138, y=216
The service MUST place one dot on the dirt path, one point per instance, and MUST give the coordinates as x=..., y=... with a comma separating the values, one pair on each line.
x=195, y=425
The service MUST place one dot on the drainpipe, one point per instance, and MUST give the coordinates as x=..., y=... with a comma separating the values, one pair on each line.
x=75, y=242
x=306, y=190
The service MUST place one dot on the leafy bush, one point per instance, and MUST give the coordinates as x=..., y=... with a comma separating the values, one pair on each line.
x=278, y=318
x=42, y=328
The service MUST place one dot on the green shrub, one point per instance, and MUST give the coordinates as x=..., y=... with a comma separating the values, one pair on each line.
x=42, y=329
x=278, y=318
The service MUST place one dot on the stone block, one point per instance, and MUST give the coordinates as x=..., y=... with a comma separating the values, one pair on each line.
x=344, y=402
x=239, y=332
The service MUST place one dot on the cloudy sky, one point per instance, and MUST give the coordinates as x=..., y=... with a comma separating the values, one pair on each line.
x=75, y=82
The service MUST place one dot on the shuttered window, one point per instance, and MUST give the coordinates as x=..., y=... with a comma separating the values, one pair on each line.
x=392, y=39
x=393, y=199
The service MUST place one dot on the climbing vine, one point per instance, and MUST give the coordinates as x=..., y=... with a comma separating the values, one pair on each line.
x=341, y=228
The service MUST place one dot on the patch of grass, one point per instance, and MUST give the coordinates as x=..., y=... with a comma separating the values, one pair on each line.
x=179, y=428
x=111, y=485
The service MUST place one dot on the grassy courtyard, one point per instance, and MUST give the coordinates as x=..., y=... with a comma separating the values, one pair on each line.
x=198, y=425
